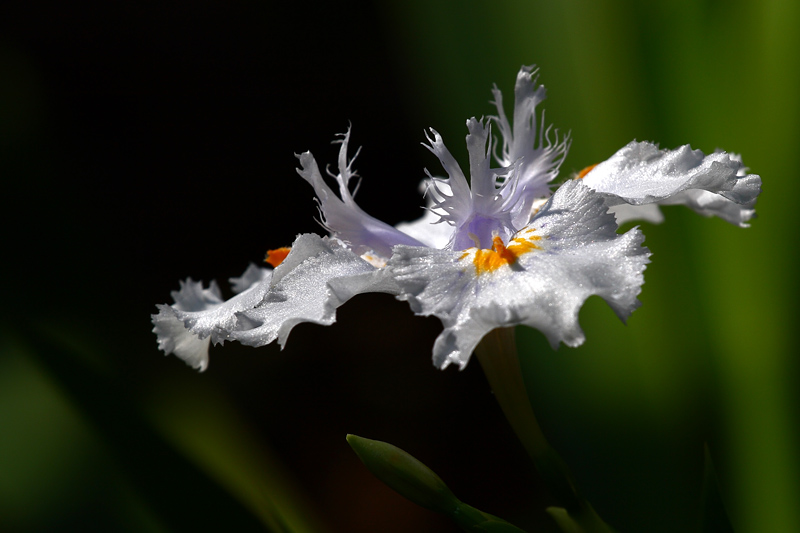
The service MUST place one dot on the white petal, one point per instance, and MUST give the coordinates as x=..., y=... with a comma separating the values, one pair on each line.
x=342, y=216
x=173, y=337
x=251, y=276
x=627, y=213
x=200, y=315
x=309, y=290
x=641, y=174
x=709, y=204
x=578, y=254
x=430, y=229
x=217, y=321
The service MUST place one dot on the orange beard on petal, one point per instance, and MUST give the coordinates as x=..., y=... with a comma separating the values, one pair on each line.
x=488, y=260
x=275, y=257
x=582, y=173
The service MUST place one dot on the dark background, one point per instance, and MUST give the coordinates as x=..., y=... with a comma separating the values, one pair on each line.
x=144, y=143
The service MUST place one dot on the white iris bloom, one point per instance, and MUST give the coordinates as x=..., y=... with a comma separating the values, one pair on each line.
x=493, y=251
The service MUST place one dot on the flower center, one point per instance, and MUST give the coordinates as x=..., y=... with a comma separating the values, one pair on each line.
x=480, y=230
x=489, y=260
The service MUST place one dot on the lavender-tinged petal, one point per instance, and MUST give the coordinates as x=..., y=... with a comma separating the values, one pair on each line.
x=526, y=97
x=456, y=198
x=342, y=216
x=537, y=160
x=482, y=182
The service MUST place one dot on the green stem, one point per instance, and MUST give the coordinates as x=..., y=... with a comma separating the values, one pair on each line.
x=497, y=354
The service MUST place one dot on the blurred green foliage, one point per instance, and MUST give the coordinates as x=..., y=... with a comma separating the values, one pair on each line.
x=99, y=439
x=712, y=353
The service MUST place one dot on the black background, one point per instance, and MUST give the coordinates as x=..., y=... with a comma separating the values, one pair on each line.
x=148, y=142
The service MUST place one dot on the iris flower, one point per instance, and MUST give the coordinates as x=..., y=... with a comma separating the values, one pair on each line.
x=494, y=251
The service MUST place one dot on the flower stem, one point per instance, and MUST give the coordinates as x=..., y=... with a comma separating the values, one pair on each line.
x=497, y=353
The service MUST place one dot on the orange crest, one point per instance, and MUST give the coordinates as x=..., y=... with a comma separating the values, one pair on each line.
x=500, y=254
x=582, y=173
x=276, y=257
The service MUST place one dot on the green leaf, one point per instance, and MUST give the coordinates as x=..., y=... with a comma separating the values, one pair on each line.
x=585, y=521
x=470, y=519
x=180, y=494
x=565, y=522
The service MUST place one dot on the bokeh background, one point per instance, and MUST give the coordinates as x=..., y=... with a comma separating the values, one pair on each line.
x=142, y=143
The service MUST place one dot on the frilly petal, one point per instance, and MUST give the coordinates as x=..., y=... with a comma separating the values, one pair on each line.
x=709, y=204
x=200, y=315
x=714, y=184
x=452, y=196
x=173, y=337
x=578, y=254
x=321, y=276
x=217, y=321
x=527, y=142
x=317, y=276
